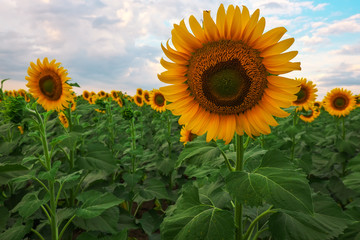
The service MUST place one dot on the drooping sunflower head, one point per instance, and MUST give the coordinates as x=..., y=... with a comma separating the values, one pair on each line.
x=310, y=115
x=186, y=135
x=357, y=100
x=138, y=100
x=318, y=104
x=86, y=95
x=306, y=96
x=139, y=91
x=73, y=104
x=119, y=102
x=146, y=96
x=157, y=101
x=63, y=119
x=92, y=99
x=339, y=102
x=21, y=92
x=223, y=74
x=47, y=82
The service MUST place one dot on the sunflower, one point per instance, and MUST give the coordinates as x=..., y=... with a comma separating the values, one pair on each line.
x=306, y=96
x=21, y=130
x=92, y=93
x=146, y=97
x=86, y=95
x=73, y=104
x=339, y=102
x=139, y=91
x=224, y=74
x=318, y=104
x=120, y=102
x=101, y=94
x=63, y=119
x=47, y=82
x=157, y=101
x=92, y=99
x=138, y=100
x=100, y=111
x=357, y=100
x=21, y=92
x=310, y=115
x=114, y=94
x=186, y=135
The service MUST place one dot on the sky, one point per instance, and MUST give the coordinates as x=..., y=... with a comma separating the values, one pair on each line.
x=116, y=44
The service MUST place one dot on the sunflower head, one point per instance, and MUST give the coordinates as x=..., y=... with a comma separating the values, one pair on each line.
x=86, y=95
x=357, y=100
x=339, y=102
x=102, y=94
x=63, y=119
x=306, y=96
x=186, y=135
x=119, y=102
x=138, y=100
x=157, y=101
x=47, y=81
x=146, y=96
x=224, y=74
x=21, y=92
x=73, y=104
x=139, y=91
x=114, y=94
x=309, y=115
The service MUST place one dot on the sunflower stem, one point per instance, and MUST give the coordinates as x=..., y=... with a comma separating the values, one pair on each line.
x=238, y=206
x=256, y=220
x=133, y=145
x=343, y=128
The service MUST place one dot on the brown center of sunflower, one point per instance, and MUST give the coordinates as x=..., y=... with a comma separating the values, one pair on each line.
x=146, y=96
x=340, y=103
x=227, y=77
x=86, y=95
x=308, y=114
x=50, y=85
x=159, y=100
x=302, y=96
x=139, y=99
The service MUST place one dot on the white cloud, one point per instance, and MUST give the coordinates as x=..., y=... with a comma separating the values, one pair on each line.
x=348, y=25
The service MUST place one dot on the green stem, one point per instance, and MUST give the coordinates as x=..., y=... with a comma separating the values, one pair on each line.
x=228, y=164
x=256, y=220
x=260, y=232
x=66, y=225
x=69, y=118
x=343, y=128
x=133, y=144
x=238, y=206
x=37, y=234
x=54, y=227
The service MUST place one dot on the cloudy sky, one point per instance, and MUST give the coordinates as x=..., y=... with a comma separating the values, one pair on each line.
x=115, y=44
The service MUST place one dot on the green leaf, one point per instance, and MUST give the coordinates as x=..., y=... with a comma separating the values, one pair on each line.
x=150, y=222
x=198, y=152
x=10, y=171
x=64, y=213
x=131, y=179
x=352, y=181
x=4, y=213
x=29, y=204
x=97, y=157
x=106, y=222
x=275, y=182
x=193, y=220
x=50, y=175
x=152, y=188
x=59, y=139
x=327, y=222
x=70, y=177
x=166, y=166
x=346, y=146
x=16, y=232
x=95, y=203
x=354, y=164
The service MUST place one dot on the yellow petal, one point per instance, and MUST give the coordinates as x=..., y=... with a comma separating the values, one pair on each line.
x=277, y=48
x=280, y=59
x=187, y=37
x=230, y=128
x=250, y=25
x=228, y=21
x=271, y=107
x=176, y=88
x=170, y=78
x=211, y=31
x=245, y=17
x=285, y=68
x=283, y=81
x=236, y=25
x=213, y=127
x=197, y=30
x=258, y=31
x=220, y=21
x=174, y=57
x=269, y=38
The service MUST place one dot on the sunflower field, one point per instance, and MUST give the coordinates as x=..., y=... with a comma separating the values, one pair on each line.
x=229, y=149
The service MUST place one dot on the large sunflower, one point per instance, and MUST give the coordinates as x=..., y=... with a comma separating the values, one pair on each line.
x=157, y=101
x=224, y=74
x=306, y=96
x=47, y=82
x=339, y=102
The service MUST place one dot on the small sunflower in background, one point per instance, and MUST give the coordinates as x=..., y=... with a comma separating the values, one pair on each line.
x=21, y=130
x=139, y=91
x=224, y=74
x=318, y=104
x=138, y=100
x=157, y=101
x=114, y=94
x=101, y=94
x=186, y=135
x=73, y=104
x=146, y=97
x=92, y=99
x=63, y=119
x=21, y=92
x=119, y=102
x=306, y=96
x=310, y=115
x=339, y=102
x=357, y=100
x=100, y=111
x=86, y=95
x=47, y=82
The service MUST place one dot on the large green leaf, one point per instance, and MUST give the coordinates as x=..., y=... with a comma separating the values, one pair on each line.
x=29, y=204
x=327, y=222
x=152, y=188
x=95, y=203
x=198, y=152
x=275, y=181
x=352, y=181
x=106, y=222
x=97, y=157
x=10, y=171
x=193, y=219
x=16, y=232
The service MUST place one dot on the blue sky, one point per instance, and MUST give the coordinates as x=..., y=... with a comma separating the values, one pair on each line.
x=108, y=44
